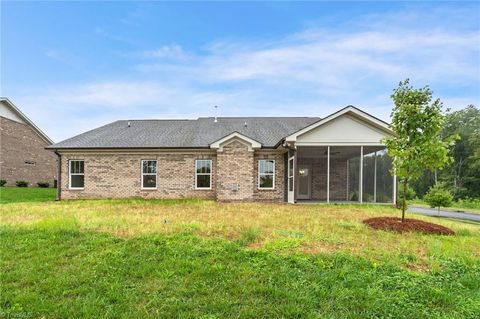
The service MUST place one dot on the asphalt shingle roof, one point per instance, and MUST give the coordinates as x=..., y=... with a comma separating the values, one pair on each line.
x=197, y=133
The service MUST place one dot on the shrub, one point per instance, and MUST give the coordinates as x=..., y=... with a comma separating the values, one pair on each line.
x=21, y=183
x=438, y=196
x=2, y=182
x=43, y=184
x=469, y=203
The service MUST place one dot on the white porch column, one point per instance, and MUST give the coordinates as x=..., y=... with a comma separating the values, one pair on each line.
x=360, y=196
x=328, y=174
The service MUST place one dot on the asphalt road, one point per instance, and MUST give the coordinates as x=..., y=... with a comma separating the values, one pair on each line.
x=443, y=213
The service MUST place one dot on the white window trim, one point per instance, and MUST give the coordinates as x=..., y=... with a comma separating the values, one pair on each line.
x=142, y=174
x=70, y=174
x=273, y=174
x=210, y=174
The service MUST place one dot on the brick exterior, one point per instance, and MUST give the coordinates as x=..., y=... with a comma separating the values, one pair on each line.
x=235, y=165
x=119, y=176
x=338, y=179
x=20, y=143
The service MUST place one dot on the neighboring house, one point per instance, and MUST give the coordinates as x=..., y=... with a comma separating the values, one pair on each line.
x=22, y=148
x=292, y=159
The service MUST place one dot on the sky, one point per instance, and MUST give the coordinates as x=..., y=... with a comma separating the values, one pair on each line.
x=73, y=66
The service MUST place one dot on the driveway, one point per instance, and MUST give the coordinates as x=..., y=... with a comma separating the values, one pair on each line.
x=443, y=213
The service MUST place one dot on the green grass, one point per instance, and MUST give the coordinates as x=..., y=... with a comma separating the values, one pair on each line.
x=22, y=194
x=200, y=259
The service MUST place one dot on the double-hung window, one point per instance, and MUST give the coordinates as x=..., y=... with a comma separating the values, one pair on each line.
x=266, y=174
x=76, y=174
x=149, y=174
x=203, y=174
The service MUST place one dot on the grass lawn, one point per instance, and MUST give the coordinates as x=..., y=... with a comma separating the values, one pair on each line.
x=30, y=194
x=202, y=259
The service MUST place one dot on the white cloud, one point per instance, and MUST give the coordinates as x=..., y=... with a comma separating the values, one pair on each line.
x=309, y=73
x=172, y=51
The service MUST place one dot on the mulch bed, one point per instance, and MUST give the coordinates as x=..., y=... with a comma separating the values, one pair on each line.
x=409, y=225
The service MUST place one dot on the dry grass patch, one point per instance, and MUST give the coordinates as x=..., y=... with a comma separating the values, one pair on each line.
x=277, y=227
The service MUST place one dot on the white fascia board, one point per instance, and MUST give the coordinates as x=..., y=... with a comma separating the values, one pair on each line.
x=349, y=109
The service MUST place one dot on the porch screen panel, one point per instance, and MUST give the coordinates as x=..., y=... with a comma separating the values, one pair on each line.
x=345, y=173
x=369, y=175
x=314, y=158
x=384, y=177
x=377, y=179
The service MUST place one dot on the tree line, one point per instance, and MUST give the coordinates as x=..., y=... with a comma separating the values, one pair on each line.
x=462, y=176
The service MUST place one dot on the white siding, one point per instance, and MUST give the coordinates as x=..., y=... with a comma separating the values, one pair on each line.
x=343, y=130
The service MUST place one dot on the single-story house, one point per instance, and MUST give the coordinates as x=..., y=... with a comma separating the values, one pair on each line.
x=339, y=158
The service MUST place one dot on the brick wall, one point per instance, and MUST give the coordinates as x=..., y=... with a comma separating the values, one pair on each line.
x=110, y=175
x=119, y=176
x=20, y=143
x=338, y=179
x=235, y=165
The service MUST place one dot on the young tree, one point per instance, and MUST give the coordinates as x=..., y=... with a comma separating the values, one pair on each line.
x=438, y=196
x=418, y=144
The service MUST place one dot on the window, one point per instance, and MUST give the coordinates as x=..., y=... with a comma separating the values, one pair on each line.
x=266, y=174
x=149, y=174
x=77, y=176
x=203, y=174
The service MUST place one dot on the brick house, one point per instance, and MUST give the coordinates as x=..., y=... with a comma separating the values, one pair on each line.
x=282, y=159
x=22, y=148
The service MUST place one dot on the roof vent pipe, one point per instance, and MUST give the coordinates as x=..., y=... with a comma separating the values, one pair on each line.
x=245, y=124
x=128, y=124
x=216, y=107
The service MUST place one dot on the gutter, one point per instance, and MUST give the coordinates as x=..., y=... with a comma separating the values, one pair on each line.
x=59, y=177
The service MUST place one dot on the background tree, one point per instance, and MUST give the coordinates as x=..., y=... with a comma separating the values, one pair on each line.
x=418, y=144
x=463, y=175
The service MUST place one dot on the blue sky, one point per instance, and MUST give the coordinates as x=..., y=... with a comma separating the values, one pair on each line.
x=74, y=66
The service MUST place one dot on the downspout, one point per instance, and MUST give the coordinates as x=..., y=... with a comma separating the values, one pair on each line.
x=59, y=176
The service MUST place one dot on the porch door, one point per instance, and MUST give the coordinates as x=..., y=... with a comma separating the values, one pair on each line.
x=304, y=181
x=290, y=191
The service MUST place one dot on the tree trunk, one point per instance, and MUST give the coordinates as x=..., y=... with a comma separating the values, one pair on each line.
x=404, y=199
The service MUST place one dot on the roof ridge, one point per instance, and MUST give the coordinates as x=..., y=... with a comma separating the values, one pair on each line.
x=155, y=120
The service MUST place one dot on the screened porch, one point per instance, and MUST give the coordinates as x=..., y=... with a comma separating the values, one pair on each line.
x=356, y=174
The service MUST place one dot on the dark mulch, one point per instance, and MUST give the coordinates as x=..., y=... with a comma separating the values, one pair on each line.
x=409, y=225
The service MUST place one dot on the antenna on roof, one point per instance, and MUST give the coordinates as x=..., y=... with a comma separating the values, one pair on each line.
x=216, y=107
